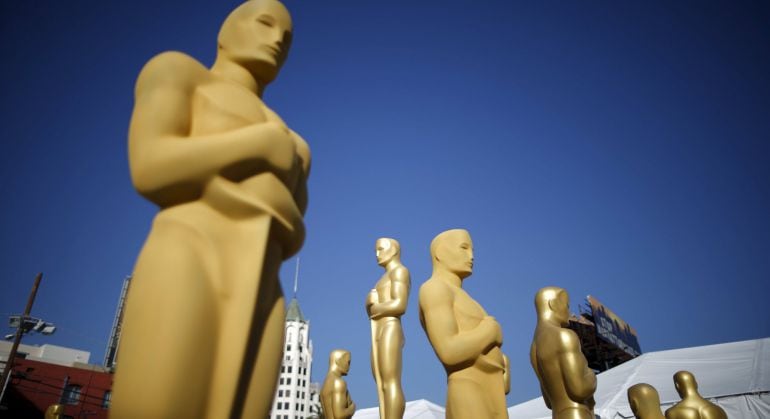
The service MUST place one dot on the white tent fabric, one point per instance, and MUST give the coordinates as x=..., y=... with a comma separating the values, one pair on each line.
x=736, y=376
x=418, y=409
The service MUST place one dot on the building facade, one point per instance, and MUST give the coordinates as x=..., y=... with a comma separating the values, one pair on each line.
x=292, y=397
x=49, y=374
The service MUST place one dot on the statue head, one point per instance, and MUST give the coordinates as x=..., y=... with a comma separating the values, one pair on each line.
x=452, y=251
x=339, y=361
x=685, y=383
x=386, y=250
x=644, y=401
x=552, y=304
x=257, y=36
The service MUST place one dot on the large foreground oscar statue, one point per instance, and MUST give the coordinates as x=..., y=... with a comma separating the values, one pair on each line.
x=335, y=398
x=566, y=382
x=693, y=405
x=466, y=340
x=385, y=304
x=203, y=326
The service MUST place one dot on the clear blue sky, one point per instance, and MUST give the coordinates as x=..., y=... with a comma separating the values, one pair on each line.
x=618, y=149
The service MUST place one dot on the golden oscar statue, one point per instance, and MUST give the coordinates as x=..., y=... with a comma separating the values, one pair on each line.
x=692, y=406
x=203, y=327
x=54, y=411
x=335, y=398
x=644, y=401
x=465, y=339
x=566, y=382
x=385, y=304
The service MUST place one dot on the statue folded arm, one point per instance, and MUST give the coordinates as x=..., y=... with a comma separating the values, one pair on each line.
x=579, y=380
x=399, y=294
x=168, y=165
x=342, y=405
x=452, y=346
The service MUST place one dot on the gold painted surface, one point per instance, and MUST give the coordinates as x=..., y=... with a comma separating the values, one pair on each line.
x=692, y=406
x=466, y=340
x=644, y=401
x=203, y=328
x=385, y=304
x=566, y=382
x=335, y=398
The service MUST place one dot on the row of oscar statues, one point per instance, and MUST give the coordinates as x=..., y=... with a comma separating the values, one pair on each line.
x=204, y=316
x=468, y=343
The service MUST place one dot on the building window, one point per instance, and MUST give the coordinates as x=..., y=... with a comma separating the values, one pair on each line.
x=280, y=393
x=283, y=368
x=288, y=381
x=71, y=394
x=289, y=368
x=106, y=399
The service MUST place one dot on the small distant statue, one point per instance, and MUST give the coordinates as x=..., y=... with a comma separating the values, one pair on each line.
x=204, y=321
x=335, y=398
x=465, y=339
x=385, y=304
x=692, y=406
x=54, y=411
x=566, y=382
x=644, y=401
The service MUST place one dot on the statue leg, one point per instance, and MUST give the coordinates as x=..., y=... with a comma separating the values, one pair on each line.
x=166, y=349
x=391, y=344
x=250, y=344
x=268, y=335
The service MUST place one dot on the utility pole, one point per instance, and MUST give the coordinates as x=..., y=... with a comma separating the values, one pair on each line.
x=17, y=339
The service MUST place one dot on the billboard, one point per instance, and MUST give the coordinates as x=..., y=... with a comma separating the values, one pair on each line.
x=613, y=329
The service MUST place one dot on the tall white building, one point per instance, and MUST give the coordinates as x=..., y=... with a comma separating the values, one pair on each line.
x=292, y=396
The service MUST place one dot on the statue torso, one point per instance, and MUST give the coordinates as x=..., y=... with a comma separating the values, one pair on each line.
x=468, y=314
x=547, y=346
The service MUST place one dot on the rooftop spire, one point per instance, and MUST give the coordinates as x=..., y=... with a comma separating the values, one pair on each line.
x=296, y=277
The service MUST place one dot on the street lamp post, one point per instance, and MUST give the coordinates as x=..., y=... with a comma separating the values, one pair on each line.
x=24, y=324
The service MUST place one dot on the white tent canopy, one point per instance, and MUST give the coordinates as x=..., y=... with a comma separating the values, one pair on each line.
x=418, y=409
x=736, y=376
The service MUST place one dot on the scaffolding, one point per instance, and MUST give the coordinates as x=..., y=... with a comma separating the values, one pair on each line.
x=110, y=355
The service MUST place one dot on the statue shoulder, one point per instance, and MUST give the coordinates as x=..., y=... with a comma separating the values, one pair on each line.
x=400, y=273
x=676, y=411
x=434, y=292
x=170, y=69
x=569, y=339
x=340, y=384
